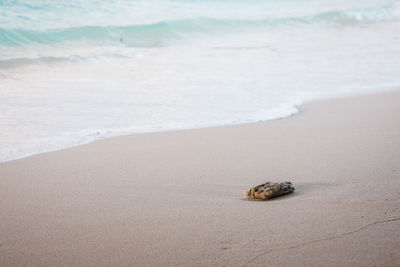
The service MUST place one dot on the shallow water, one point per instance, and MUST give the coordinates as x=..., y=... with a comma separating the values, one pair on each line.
x=73, y=72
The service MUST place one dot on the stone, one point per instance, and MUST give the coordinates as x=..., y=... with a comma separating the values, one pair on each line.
x=269, y=190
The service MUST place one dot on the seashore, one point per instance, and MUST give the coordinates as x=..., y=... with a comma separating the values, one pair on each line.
x=178, y=198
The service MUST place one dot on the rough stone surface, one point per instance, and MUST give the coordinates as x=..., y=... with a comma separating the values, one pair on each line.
x=269, y=190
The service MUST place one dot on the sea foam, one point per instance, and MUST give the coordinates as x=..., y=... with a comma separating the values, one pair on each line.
x=79, y=71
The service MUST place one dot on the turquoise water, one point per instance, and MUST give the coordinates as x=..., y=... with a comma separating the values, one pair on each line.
x=162, y=33
x=75, y=71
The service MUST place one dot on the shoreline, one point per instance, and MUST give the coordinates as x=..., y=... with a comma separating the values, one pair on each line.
x=298, y=109
x=176, y=197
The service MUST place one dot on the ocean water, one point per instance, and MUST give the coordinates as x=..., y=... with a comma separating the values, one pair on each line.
x=72, y=72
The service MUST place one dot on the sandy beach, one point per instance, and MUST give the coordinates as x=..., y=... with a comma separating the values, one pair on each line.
x=177, y=198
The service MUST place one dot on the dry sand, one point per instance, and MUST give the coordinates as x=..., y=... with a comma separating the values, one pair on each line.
x=177, y=198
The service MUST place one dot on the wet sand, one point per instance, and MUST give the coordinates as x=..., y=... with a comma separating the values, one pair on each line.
x=177, y=198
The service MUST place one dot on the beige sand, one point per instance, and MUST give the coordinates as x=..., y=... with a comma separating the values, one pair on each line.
x=176, y=198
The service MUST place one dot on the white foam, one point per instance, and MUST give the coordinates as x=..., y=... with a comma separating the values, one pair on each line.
x=210, y=80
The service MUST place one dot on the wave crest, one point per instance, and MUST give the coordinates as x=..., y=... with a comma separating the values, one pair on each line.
x=166, y=32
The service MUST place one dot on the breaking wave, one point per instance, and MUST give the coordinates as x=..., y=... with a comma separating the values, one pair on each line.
x=167, y=32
